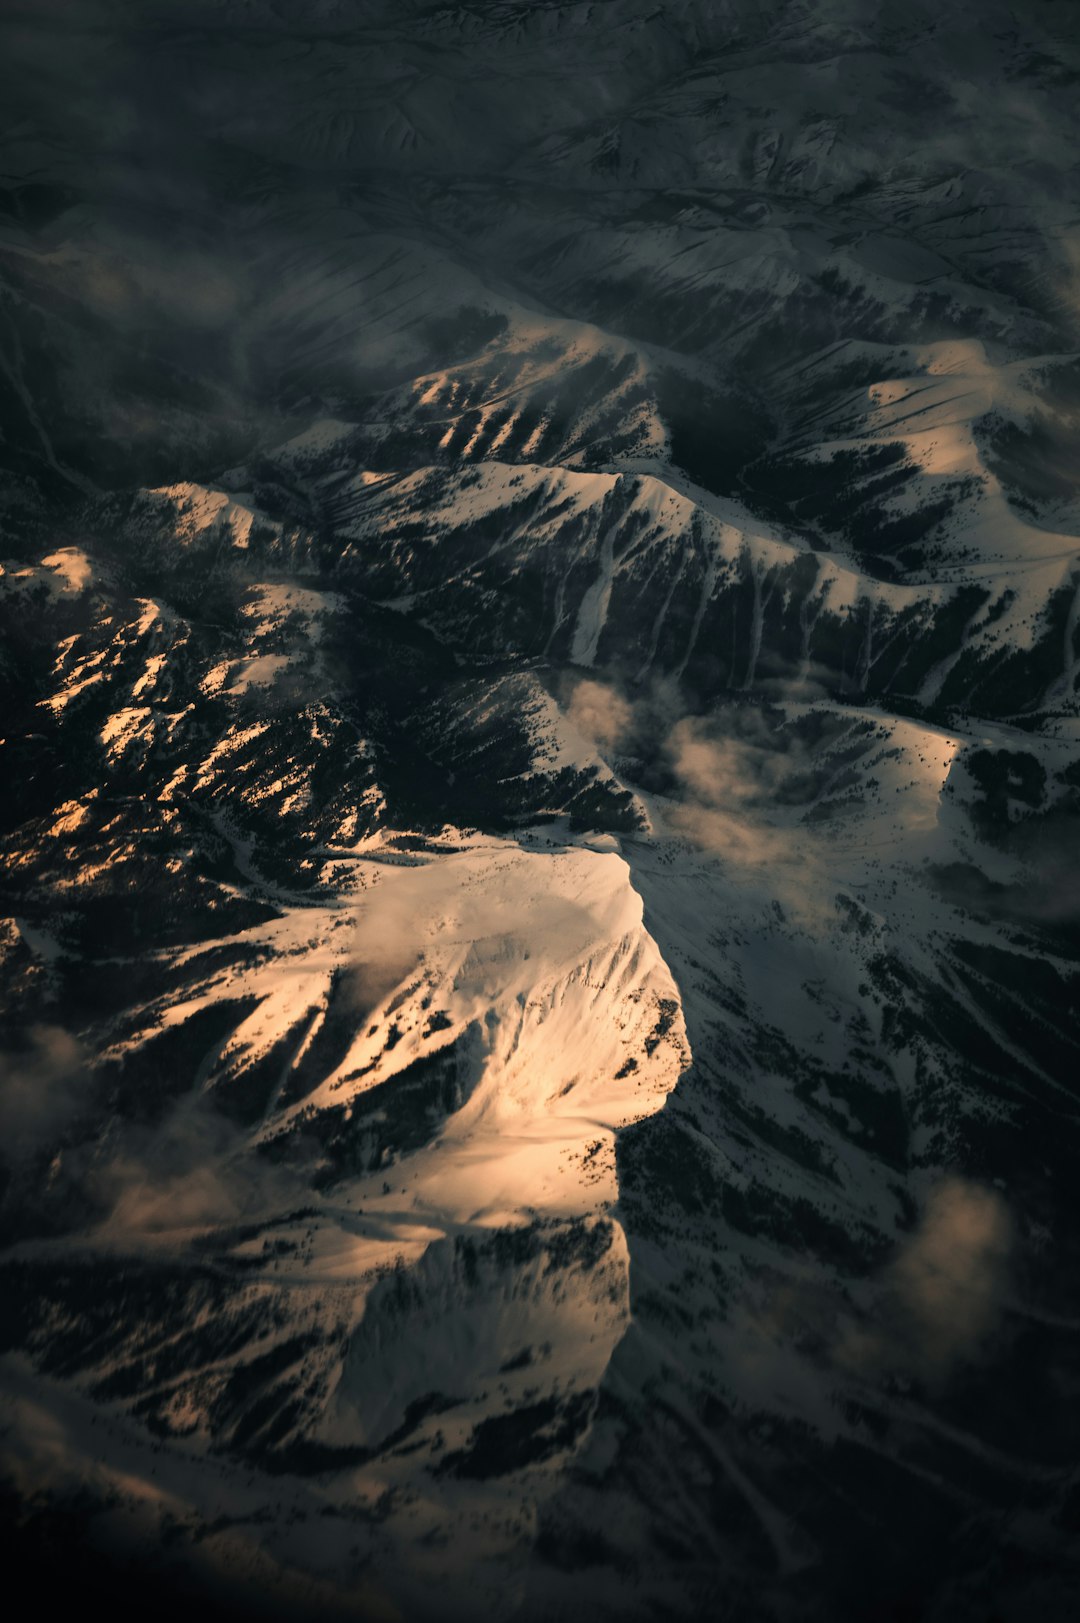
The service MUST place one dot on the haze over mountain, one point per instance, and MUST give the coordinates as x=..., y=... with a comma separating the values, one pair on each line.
x=540, y=936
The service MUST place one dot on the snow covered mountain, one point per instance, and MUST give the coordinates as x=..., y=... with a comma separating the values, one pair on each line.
x=541, y=756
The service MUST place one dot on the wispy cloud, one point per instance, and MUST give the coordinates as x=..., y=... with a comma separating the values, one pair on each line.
x=41, y=1091
x=601, y=714
x=194, y=1170
x=941, y=1297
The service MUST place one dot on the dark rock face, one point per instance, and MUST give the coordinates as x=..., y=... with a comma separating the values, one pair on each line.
x=540, y=944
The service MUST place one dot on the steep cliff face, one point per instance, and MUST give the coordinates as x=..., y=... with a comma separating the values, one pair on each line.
x=541, y=750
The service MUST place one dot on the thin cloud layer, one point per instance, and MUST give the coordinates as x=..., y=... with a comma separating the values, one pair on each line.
x=942, y=1296
x=39, y=1091
x=601, y=714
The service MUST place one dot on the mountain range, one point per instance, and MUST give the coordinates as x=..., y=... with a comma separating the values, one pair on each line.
x=540, y=921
